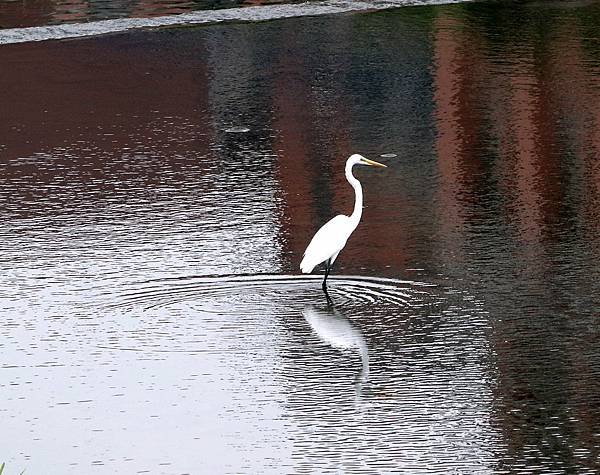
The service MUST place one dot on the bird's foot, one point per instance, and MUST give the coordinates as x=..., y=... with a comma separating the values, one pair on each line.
x=329, y=300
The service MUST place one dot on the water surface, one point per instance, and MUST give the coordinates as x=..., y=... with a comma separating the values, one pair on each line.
x=158, y=189
x=16, y=14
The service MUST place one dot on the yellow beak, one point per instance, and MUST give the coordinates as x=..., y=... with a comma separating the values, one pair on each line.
x=374, y=163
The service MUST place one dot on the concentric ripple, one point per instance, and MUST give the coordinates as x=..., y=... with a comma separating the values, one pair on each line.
x=346, y=291
x=181, y=314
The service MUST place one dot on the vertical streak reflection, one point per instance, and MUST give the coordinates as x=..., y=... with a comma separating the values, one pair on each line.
x=458, y=117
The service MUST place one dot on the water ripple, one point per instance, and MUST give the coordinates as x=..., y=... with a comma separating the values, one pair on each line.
x=346, y=291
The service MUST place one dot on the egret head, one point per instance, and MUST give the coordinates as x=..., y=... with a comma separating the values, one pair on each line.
x=357, y=159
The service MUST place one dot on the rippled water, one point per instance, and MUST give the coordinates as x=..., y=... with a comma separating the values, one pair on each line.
x=158, y=189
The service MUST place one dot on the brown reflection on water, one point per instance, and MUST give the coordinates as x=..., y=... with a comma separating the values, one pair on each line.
x=533, y=162
x=98, y=104
x=459, y=116
x=575, y=77
x=44, y=12
x=516, y=115
x=305, y=171
x=515, y=174
x=18, y=14
x=575, y=73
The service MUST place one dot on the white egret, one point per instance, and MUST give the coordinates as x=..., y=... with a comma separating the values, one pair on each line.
x=331, y=238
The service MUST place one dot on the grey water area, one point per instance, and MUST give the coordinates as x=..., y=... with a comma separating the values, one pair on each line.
x=158, y=188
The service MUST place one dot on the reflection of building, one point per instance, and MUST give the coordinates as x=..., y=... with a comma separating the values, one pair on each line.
x=19, y=14
x=577, y=81
x=502, y=110
x=459, y=128
x=89, y=103
x=330, y=102
x=46, y=12
x=22, y=14
x=311, y=153
x=575, y=86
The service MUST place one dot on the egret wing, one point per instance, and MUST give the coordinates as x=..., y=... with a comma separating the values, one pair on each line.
x=327, y=243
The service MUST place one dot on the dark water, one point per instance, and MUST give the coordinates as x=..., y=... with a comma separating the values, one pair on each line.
x=18, y=14
x=157, y=191
x=168, y=14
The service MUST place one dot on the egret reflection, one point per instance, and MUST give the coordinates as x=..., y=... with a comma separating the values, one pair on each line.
x=337, y=331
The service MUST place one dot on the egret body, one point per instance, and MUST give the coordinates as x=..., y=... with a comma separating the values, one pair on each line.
x=331, y=238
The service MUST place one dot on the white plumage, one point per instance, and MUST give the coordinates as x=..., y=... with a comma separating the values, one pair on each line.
x=327, y=243
x=333, y=235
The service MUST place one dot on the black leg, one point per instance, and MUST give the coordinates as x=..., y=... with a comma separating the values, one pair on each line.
x=328, y=267
x=329, y=301
x=327, y=270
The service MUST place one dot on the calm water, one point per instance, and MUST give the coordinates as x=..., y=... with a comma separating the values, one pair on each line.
x=157, y=191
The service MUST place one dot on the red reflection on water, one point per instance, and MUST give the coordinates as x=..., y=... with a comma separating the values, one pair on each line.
x=98, y=103
x=577, y=86
x=576, y=82
x=458, y=120
x=532, y=164
x=311, y=155
x=297, y=164
x=18, y=14
x=72, y=12
x=534, y=93
x=53, y=88
x=21, y=14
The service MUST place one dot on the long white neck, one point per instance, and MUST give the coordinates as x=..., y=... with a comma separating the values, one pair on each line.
x=358, y=195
